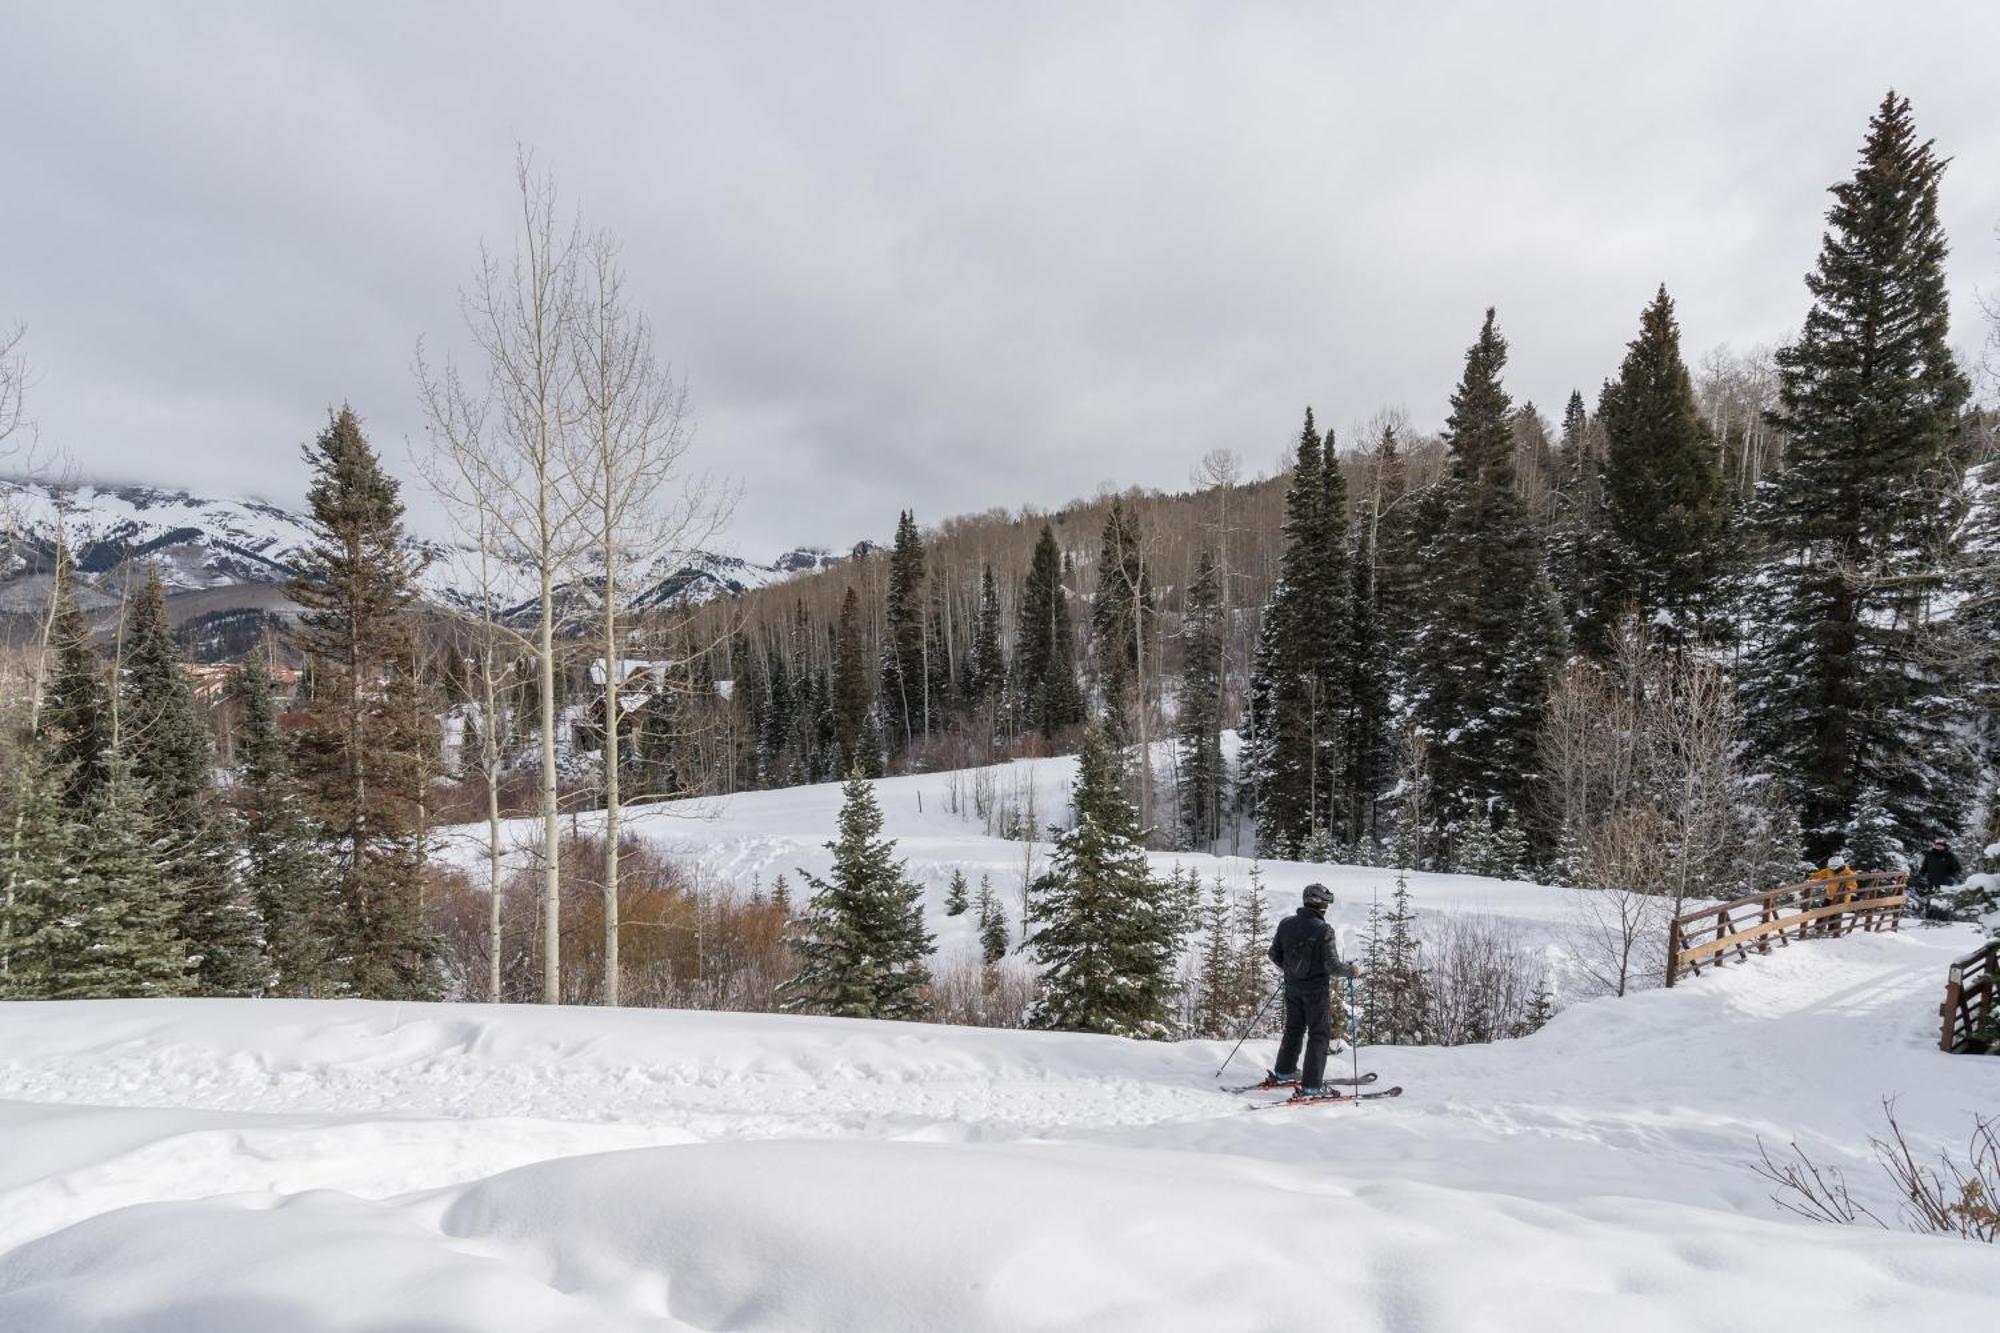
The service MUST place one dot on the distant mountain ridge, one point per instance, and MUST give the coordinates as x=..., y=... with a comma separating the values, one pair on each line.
x=204, y=545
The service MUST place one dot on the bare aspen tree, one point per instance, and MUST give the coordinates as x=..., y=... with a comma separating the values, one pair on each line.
x=642, y=502
x=521, y=314
x=458, y=470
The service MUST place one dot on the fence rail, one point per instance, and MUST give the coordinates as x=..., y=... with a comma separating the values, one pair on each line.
x=1969, y=991
x=1871, y=900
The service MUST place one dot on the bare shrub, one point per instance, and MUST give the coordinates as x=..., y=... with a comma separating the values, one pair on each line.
x=685, y=942
x=1621, y=922
x=1480, y=982
x=971, y=994
x=1950, y=1197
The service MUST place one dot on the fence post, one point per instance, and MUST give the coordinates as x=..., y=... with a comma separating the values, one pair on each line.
x=1673, y=950
x=1953, y=991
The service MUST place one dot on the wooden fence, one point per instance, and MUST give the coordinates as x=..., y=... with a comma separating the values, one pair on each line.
x=1863, y=901
x=1969, y=991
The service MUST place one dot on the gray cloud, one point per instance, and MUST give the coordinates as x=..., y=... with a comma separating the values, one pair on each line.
x=947, y=257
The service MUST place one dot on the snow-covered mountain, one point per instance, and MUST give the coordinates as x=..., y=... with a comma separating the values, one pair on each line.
x=202, y=545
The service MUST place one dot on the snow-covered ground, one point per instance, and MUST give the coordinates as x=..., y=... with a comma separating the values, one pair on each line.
x=231, y=1166
x=243, y=1165
x=750, y=839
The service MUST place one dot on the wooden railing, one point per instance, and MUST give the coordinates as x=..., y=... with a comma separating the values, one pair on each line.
x=1969, y=990
x=1871, y=900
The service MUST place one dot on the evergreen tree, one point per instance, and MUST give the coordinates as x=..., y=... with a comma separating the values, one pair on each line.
x=1398, y=531
x=1540, y=1010
x=1101, y=926
x=1198, y=723
x=133, y=946
x=167, y=742
x=76, y=717
x=1401, y=990
x=958, y=897
x=905, y=680
x=775, y=756
x=992, y=924
x=1216, y=992
x=1253, y=968
x=285, y=859
x=1663, y=488
x=986, y=672
x=41, y=916
x=356, y=762
x=94, y=914
x=1490, y=636
x=1367, y=750
x=1368, y=1018
x=857, y=743
x=1870, y=836
x=861, y=942
x=1298, y=691
x=1121, y=618
x=1855, y=683
x=1045, y=657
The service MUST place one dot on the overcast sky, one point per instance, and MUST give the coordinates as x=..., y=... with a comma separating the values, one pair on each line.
x=947, y=257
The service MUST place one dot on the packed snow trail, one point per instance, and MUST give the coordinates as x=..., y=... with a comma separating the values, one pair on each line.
x=229, y=1165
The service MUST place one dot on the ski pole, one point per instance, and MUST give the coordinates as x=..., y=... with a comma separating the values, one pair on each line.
x=1354, y=1029
x=1248, y=1028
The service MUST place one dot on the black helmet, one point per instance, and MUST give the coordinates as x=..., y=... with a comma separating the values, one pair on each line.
x=1318, y=895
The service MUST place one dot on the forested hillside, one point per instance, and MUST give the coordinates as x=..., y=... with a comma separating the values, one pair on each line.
x=1700, y=628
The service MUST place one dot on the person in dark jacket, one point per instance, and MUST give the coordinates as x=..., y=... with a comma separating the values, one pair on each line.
x=1938, y=871
x=1304, y=948
x=1940, y=868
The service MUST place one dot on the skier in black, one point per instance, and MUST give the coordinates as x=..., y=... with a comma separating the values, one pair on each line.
x=1939, y=870
x=1304, y=948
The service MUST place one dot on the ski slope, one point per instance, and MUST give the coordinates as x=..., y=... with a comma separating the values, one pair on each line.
x=296, y=1165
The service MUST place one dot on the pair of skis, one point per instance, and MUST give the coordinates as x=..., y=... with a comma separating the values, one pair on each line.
x=1270, y=1085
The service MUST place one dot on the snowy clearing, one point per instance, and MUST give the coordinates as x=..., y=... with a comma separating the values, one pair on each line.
x=750, y=839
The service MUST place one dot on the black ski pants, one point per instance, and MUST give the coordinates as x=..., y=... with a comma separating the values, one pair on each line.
x=1308, y=1019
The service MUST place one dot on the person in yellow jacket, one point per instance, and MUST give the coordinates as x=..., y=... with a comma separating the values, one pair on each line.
x=1839, y=884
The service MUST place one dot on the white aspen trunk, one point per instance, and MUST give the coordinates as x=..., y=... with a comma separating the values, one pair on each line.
x=611, y=807
x=551, y=815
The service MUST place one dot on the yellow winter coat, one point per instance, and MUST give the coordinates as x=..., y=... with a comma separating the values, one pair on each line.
x=1841, y=884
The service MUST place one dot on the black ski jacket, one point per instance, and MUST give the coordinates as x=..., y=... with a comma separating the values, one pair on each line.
x=1940, y=868
x=1305, y=950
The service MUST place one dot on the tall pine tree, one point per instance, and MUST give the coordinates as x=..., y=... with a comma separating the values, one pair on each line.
x=76, y=716
x=1198, y=720
x=857, y=742
x=168, y=745
x=1848, y=687
x=1299, y=682
x=354, y=761
x=1490, y=635
x=1045, y=658
x=1663, y=488
x=905, y=681
x=285, y=858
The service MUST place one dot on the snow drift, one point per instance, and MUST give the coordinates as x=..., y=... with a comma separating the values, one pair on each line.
x=238, y=1165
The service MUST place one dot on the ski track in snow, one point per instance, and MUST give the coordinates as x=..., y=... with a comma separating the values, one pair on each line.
x=261, y=1165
